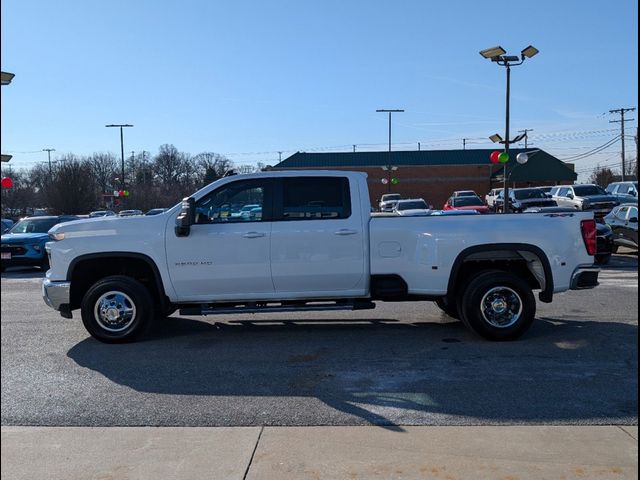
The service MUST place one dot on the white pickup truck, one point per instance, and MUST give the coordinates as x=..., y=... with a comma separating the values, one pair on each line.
x=311, y=243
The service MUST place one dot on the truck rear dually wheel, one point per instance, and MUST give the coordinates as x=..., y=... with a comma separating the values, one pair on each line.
x=117, y=309
x=497, y=305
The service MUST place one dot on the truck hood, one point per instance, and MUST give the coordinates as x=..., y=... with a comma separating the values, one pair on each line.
x=106, y=226
x=599, y=198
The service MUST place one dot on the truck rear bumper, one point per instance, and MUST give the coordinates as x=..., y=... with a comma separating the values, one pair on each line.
x=584, y=277
x=57, y=296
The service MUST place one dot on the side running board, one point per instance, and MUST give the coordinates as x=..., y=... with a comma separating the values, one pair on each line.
x=268, y=307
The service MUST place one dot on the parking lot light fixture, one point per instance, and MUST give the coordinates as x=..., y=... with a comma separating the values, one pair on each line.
x=497, y=55
x=493, y=52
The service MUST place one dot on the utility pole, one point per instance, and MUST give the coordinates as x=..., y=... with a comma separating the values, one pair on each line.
x=354, y=149
x=622, y=111
x=418, y=146
x=526, y=135
x=49, y=150
x=279, y=156
x=389, y=111
x=464, y=143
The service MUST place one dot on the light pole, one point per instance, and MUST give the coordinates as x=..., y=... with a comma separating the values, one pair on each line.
x=497, y=55
x=389, y=167
x=121, y=126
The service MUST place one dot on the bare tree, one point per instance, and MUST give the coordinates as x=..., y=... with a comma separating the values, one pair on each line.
x=212, y=166
x=104, y=168
x=602, y=176
x=72, y=189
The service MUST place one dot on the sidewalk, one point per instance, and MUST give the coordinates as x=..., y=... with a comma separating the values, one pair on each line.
x=277, y=453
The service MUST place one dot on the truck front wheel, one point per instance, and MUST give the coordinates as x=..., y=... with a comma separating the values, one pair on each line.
x=117, y=309
x=497, y=305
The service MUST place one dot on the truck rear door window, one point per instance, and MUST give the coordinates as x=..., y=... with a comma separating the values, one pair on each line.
x=314, y=198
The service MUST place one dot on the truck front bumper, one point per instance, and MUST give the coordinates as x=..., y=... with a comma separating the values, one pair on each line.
x=584, y=276
x=57, y=295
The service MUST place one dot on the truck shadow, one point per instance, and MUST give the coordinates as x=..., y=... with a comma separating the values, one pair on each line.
x=386, y=373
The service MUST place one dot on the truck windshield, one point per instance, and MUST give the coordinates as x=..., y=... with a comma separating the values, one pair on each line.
x=529, y=193
x=390, y=196
x=584, y=190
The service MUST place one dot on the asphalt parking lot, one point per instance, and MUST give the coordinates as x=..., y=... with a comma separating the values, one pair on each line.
x=398, y=365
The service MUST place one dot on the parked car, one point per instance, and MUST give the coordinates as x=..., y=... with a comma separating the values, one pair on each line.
x=604, y=233
x=130, y=213
x=522, y=198
x=625, y=192
x=7, y=223
x=587, y=197
x=466, y=203
x=490, y=197
x=102, y=213
x=465, y=193
x=23, y=244
x=623, y=220
x=156, y=211
x=412, y=207
x=245, y=211
x=388, y=201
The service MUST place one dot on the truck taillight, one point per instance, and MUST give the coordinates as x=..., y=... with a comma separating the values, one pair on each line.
x=588, y=229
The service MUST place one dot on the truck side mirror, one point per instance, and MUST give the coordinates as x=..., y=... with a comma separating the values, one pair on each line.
x=186, y=217
x=570, y=195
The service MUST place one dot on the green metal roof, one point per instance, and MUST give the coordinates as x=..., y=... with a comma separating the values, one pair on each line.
x=540, y=167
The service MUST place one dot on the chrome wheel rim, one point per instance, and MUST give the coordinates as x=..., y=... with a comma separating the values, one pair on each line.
x=501, y=307
x=114, y=311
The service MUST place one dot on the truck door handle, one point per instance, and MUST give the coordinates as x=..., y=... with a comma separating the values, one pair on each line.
x=254, y=235
x=346, y=231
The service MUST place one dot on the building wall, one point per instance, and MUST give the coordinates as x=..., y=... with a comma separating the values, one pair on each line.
x=433, y=183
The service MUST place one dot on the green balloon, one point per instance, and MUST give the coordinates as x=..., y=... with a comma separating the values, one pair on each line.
x=503, y=157
x=395, y=181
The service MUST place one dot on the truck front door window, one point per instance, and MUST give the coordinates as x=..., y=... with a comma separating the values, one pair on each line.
x=236, y=202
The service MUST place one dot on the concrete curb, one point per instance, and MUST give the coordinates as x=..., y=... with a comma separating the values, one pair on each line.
x=445, y=453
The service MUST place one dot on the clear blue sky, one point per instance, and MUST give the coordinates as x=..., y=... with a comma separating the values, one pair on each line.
x=250, y=78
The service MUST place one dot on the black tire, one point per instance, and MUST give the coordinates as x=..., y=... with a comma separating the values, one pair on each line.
x=450, y=309
x=510, y=306
x=44, y=265
x=127, y=309
x=602, y=259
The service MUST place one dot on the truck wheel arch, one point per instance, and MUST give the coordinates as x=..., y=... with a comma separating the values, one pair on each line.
x=537, y=261
x=109, y=263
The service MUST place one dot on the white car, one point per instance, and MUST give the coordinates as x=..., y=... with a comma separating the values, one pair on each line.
x=388, y=201
x=490, y=198
x=412, y=207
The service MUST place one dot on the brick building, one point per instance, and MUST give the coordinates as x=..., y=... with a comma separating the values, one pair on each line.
x=435, y=174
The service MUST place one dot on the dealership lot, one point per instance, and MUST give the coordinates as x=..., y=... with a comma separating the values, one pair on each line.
x=400, y=364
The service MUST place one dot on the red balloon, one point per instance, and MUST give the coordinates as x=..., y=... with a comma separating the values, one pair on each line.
x=494, y=156
x=7, y=182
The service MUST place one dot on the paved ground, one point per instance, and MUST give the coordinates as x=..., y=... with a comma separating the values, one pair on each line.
x=396, y=366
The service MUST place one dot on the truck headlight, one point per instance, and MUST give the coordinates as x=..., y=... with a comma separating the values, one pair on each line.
x=56, y=236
